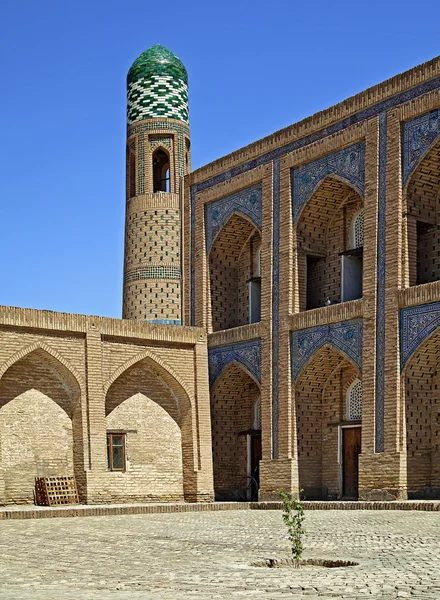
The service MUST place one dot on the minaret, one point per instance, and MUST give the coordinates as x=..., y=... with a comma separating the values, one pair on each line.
x=158, y=156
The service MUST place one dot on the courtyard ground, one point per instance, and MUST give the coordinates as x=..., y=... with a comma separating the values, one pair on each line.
x=208, y=555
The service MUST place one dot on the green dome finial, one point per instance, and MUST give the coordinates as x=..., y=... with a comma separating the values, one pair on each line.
x=157, y=60
x=157, y=85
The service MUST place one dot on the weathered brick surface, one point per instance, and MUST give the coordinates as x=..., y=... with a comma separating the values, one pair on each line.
x=67, y=379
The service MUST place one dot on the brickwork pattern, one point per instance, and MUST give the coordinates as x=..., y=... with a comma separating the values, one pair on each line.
x=422, y=409
x=320, y=396
x=232, y=412
x=231, y=262
x=323, y=232
x=52, y=424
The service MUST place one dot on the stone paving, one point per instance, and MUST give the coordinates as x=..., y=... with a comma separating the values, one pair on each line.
x=207, y=555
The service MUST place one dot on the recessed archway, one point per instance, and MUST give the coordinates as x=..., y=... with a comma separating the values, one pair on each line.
x=234, y=282
x=330, y=258
x=422, y=197
x=40, y=424
x=320, y=393
x=152, y=413
x=421, y=391
x=236, y=443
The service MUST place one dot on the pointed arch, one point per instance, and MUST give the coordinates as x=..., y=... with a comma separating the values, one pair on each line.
x=327, y=271
x=323, y=346
x=43, y=348
x=230, y=260
x=328, y=177
x=421, y=195
x=241, y=366
x=178, y=402
x=161, y=169
x=234, y=213
x=233, y=399
x=163, y=370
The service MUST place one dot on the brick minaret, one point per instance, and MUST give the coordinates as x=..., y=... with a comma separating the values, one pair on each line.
x=158, y=156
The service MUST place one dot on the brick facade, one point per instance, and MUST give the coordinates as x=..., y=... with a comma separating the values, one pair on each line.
x=66, y=380
x=328, y=231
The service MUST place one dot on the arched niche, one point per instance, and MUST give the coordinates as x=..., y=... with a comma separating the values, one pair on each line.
x=236, y=444
x=320, y=394
x=329, y=265
x=41, y=422
x=421, y=199
x=421, y=402
x=234, y=287
x=145, y=404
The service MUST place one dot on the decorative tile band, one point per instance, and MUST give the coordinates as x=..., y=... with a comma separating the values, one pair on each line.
x=246, y=353
x=275, y=303
x=153, y=272
x=380, y=321
x=165, y=321
x=345, y=336
x=366, y=113
x=417, y=137
x=157, y=96
x=217, y=213
x=416, y=324
x=348, y=163
x=179, y=128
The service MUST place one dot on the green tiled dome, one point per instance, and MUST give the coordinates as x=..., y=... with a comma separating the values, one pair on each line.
x=157, y=60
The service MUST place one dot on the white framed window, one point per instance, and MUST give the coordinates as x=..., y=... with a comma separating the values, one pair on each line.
x=257, y=262
x=357, y=230
x=354, y=401
x=257, y=414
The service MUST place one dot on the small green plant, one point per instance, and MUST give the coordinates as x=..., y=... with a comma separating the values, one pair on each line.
x=293, y=517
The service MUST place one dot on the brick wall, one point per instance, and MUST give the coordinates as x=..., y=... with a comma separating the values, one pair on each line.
x=67, y=379
x=323, y=232
x=320, y=396
x=232, y=412
x=422, y=405
x=423, y=222
x=231, y=262
x=35, y=441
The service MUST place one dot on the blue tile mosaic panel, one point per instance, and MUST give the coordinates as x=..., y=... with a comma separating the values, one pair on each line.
x=217, y=213
x=417, y=136
x=246, y=353
x=416, y=324
x=347, y=163
x=366, y=113
x=346, y=336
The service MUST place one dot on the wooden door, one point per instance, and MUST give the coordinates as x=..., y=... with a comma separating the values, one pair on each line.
x=256, y=455
x=351, y=448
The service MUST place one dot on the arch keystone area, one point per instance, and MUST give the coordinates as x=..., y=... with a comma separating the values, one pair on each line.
x=247, y=203
x=161, y=364
x=245, y=354
x=346, y=165
x=345, y=337
x=44, y=348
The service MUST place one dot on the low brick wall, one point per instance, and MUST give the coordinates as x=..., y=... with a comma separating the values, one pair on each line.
x=40, y=512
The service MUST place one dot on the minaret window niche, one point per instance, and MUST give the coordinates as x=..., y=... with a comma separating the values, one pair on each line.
x=161, y=171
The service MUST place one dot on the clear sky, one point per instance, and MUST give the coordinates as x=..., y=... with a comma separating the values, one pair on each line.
x=254, y=67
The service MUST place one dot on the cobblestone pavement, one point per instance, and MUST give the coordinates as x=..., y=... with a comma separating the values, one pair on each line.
x=207, y=555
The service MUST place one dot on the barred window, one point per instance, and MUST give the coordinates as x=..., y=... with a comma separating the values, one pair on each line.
x=354, y=401
x=257, y=414
x=357, y=230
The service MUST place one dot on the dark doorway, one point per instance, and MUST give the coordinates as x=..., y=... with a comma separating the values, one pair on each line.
x=256, y=455
x=351, y=448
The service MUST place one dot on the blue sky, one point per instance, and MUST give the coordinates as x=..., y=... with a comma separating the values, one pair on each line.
x=254, y=67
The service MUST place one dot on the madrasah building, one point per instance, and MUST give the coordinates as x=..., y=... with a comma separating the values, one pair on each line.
x=281, y=311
